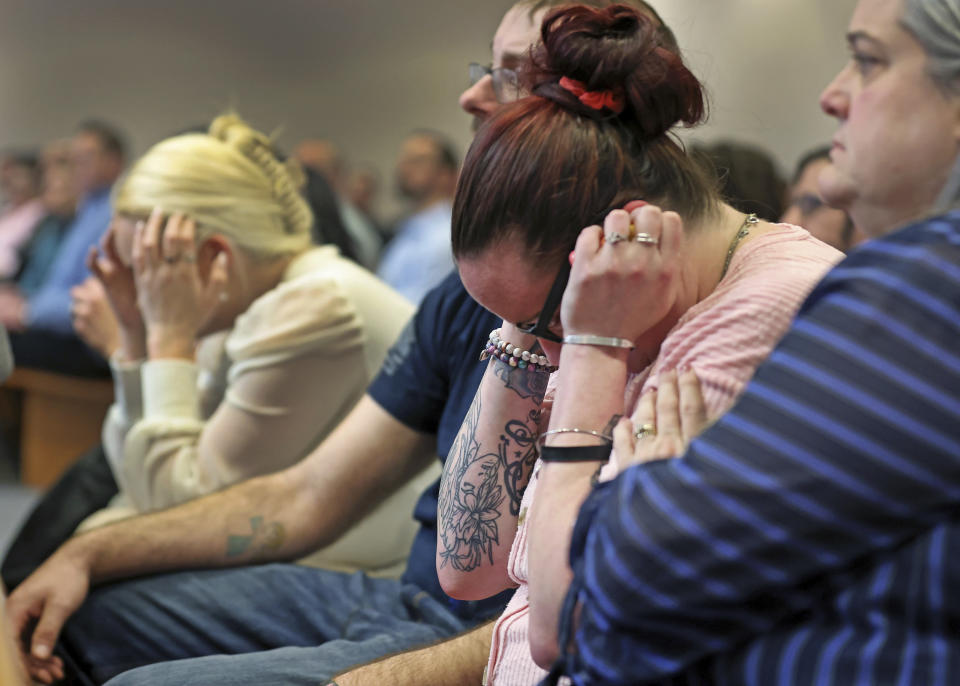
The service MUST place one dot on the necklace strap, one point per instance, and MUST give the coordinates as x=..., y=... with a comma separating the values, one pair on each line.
x=749, y=221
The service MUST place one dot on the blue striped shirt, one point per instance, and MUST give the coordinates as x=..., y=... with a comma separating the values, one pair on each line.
x=810, y=537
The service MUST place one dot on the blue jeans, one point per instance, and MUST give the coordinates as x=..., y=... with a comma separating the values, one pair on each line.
x=273, y=624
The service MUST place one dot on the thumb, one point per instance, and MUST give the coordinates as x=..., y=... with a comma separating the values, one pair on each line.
x=48, y=629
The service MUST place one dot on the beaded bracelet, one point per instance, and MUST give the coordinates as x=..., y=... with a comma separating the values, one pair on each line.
x=514, y=355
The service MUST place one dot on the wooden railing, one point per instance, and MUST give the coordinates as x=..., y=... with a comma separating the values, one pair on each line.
x=60, y=418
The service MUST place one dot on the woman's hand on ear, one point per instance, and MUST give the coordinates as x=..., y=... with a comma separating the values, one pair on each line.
x=625, y=276
x=173, y=298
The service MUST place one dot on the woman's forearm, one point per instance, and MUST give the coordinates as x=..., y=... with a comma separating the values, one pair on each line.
x=484, y=478
x=591, y=383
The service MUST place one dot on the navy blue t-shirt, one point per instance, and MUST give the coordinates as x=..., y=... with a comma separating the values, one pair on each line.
x=428, y=381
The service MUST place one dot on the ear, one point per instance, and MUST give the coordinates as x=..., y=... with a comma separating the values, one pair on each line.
x=209, y=250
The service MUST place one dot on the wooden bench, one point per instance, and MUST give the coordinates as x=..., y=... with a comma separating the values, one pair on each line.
x=60, y=418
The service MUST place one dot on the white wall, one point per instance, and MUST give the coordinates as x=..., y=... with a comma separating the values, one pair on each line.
x=365, y=72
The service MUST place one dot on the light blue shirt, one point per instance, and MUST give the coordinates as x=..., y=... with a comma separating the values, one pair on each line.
x=420, y=255
x=49, y=308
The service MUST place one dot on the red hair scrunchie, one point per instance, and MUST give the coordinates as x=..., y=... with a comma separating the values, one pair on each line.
x=596, y=100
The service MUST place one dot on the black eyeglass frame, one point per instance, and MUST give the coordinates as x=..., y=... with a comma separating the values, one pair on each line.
x=554, y=297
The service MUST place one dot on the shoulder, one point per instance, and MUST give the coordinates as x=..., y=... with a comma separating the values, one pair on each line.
x=448, y=329
x=786, y=249
x=913, y=273
x=312, y=309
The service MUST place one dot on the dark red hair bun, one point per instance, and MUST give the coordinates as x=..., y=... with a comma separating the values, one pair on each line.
x=620, y=50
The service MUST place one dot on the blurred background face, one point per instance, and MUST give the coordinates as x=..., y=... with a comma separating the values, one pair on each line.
x=808, y=210
x=362, y=189
x=324, y=158
x=419, y=172
x=19, y=183
x=59, y=191
x=94, y=168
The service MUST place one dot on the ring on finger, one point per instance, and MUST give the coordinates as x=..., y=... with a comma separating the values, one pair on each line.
x=645, y=430
x=645, y=239
x=171, y=259
x=615, y=238
x=189, y=257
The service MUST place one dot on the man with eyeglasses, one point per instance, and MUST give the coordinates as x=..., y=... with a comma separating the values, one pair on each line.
x=807, y=209
x=237, y=626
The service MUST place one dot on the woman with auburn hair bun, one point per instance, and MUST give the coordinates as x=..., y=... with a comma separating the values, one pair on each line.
x=241, y=343
x=665, y=277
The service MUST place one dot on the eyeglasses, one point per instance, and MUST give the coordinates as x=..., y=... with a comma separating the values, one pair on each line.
x=541, y=328
x=506, y=84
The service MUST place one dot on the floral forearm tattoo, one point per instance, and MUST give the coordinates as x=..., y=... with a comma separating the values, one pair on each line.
x=479, y=480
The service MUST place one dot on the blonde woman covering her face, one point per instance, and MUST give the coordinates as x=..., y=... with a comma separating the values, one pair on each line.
x=241, y=345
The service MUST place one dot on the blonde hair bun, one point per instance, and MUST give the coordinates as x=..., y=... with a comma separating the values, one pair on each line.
x=230, y=181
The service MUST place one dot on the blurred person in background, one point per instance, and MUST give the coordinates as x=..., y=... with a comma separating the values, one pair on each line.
x=419, y=256
x=363, y=187
x=328, y=226
x=59, y=199
x=749, y=178
x=806, y=207
x=41, y=327
x=20, y=186
x=324, y=156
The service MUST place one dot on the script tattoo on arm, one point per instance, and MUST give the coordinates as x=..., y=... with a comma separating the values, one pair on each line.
x=263, y=538
x=479, y=480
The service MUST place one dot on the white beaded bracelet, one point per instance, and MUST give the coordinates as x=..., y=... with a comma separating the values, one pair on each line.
x=514, y=355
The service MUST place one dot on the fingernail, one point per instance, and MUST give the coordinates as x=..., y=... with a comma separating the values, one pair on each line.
x=572, y=253
x=41, y=652
x=634, y=205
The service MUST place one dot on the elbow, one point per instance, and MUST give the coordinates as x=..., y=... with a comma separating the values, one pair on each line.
x=475, y=585
x=455, y=584
x=543, y=644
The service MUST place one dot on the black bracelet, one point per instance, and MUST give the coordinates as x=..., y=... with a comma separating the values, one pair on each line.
x=575, y=453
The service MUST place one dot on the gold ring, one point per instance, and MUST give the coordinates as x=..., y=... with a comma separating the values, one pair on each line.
x=645, y=430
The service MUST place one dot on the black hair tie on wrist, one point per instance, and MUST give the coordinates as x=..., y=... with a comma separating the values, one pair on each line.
x=575, y=453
